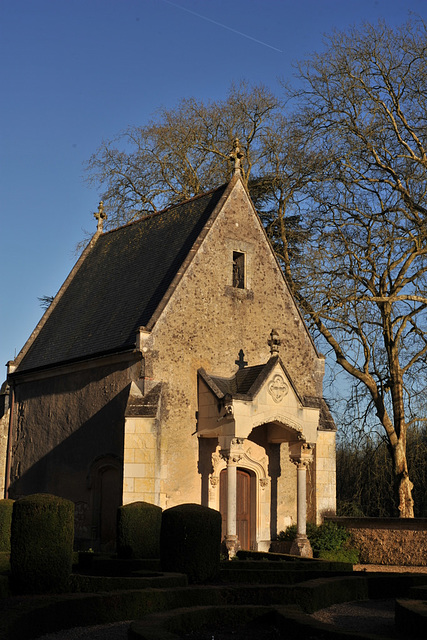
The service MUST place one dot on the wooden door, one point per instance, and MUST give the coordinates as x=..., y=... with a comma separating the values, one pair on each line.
x=110, y=500
x=243, y=515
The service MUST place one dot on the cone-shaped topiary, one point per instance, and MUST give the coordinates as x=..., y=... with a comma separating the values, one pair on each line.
x=190, y=541
x=138, y=530
x=6, y=508
x=41, y=543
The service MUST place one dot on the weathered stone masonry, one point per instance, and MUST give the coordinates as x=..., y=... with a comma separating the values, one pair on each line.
x=172, y=379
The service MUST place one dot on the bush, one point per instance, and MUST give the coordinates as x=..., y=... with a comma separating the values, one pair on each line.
x=6, y=508
x=329, y=536
x=41, y=543
x=329, y=541
x=190, y=541
x=290, y=532
x=138, y=530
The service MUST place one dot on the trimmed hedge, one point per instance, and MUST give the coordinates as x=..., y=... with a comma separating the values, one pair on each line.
x=6, y=508
x=138, y=530
x=41, y=543
x=190, y=541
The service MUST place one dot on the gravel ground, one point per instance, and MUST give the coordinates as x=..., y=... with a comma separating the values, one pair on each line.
x=363, y=616
x=388, y=568
x=115, y=631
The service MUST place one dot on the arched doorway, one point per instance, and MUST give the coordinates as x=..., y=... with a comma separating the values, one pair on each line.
x=109, y=501
x=245, y=506
x=106, y=494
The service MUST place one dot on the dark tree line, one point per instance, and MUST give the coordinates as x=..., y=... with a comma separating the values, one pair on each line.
x=365, y=476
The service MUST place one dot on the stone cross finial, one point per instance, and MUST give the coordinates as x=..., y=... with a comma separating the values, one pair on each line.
x=241, y=362
x=236, y=157
x=274, y=342
x=100, y=215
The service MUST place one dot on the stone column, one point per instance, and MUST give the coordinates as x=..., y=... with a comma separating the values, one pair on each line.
x=301, y=456
x=231, y=497
x=232, y=456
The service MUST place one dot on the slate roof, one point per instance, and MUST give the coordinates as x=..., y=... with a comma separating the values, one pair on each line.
x=246, y=382
x=119, y=285
x=145, y=406
x=241, y=383
x=326, y=421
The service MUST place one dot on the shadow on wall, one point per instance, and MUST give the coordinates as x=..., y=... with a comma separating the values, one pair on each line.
x=86, y=467
x=207, y=446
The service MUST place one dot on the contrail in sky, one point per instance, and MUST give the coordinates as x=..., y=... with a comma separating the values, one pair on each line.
x=219, y=24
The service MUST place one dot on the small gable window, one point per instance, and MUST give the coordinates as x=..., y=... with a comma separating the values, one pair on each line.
x=238, y=270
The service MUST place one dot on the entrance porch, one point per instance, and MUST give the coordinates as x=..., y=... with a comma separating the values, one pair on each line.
x=257, y=438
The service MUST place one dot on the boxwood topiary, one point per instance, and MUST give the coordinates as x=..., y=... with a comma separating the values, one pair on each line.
x=6, y=508
x=41, y=543
x=190, y=541
x=138, y=530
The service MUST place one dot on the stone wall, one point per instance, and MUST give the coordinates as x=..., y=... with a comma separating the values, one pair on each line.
x=68, y=439
x=389, y=541
x=325, y=471
x=205, y=324
x=71, y=429
x=140, y=460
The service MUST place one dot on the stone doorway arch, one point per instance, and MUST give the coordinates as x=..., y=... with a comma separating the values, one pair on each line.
x=105, y=482
x=260, y=406
x=253, y=465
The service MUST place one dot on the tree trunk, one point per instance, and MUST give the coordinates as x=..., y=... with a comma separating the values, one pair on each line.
x=396, y=428
x=406, y=503
x=404, y=485
x=398, y=441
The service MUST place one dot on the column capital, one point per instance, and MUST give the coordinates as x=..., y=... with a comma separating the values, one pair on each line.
x=234, y=453
x=301, y=454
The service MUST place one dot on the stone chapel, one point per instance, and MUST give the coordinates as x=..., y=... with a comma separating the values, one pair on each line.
x=174, y=366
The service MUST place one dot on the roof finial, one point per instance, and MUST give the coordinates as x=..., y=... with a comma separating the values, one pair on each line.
x=274, y=342
x=241, y=362
x=236, y=156
x=100, y=215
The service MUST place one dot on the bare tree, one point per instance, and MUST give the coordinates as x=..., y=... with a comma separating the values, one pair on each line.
x=341, y=188
x=45, y=301
x=365, y=474
x=364, y=106
x=181, y=153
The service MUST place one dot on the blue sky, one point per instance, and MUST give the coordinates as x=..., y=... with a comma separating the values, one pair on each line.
x=75, y=72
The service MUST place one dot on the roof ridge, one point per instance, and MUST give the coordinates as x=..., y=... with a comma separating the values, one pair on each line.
x=164, y=210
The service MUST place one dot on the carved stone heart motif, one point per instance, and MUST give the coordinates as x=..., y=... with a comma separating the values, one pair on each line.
x=277, y=388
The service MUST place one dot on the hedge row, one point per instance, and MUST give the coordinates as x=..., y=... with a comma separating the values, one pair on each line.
x=190, y=541
x=42, y=536
x=138, y=530
x=6, y=508
x=186, y=538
